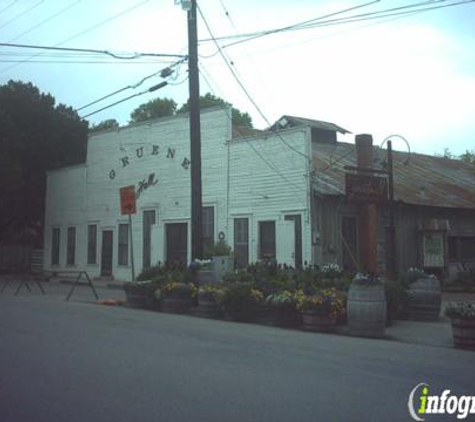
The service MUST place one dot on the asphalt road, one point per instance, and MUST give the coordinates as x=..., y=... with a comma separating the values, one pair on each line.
x=78, y=361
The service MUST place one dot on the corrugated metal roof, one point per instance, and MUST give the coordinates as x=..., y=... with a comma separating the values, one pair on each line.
x=424, y=180
x=291, y=121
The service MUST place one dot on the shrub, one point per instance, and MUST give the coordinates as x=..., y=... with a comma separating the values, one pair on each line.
x=461, y=310
x=240, y=297
x=397, y=299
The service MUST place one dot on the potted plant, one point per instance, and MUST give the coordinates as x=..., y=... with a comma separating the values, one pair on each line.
x=222, y=259
x=284, y=306
x=208, y=295
x=239, y=301
x=366, y=306
x=462, y=316
x=425, y=295
x=139, y=294
x=177, y=296
x=320, y=310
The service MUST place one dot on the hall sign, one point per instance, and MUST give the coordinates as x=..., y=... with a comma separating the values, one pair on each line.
x=142, y=152
x=365, y=188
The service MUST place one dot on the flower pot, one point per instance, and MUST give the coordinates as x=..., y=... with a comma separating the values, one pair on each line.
x=136, y=299
x=463, y=331
x=263, y=315
x=316, y=322
x=366, y=310
x=287, y=317
x=207, y=305
x=425, y=298
x=222, y=264
x=239, y=315
x=176, y=304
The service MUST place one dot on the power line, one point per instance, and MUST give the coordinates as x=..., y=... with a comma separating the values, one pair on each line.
x=22, y=14
x=162, y=72
x=246, y=138
x=8, y=6
x=46, y=20
x=129, y=56
x=91, y=28
x=151, y=89
x=246, y=91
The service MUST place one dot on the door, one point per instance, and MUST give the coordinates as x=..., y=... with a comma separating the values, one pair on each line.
x=106, y=255
x=149, y=219
x=297, y=219
x=241, y=242
x=177, y=243
x=286, y=243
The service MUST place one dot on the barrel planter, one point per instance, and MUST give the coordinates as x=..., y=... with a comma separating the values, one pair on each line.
x=136, y=299
x=463, y=331
x=206, y=276
x=263, y=315
x=287, y=317
x=207, y=305
x=425, y=298
x=314, y=321
x=366, y=310
x=176, y=303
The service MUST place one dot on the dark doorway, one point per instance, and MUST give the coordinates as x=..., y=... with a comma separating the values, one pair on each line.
x=267, y=240
x=241, y=242
x=106, y=255
x=149, y=219
x=177, y=243
x=349, y=246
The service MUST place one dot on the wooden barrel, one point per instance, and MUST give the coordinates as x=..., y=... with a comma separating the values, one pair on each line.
x=176, y=304
x=207, y=306
x=425, y=298
x=320, y=323
x=287, y=317
x=366, y=310
x=463, y=331
x=206, y=276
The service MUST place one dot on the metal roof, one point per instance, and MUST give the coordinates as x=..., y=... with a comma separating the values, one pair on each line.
x=418, y=179
x=291, y=121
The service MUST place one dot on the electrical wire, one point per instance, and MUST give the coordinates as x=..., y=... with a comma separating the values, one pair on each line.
x=91, y=28
x=8, y=6
x=151, y=89
x=50, y=18
x=246, y=92
x=129, y=56
x=247, y=139
x=136, y=85
x=20, y=15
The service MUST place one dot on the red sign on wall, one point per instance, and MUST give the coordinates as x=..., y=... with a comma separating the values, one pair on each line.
x=127, y=200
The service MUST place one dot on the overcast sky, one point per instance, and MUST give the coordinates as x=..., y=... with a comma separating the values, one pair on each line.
x=412, y=75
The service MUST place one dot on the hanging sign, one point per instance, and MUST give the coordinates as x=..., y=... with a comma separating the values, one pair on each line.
x=366, y=188
x=127, y=200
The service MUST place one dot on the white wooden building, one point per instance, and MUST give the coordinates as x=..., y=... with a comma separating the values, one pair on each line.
x=256, y=191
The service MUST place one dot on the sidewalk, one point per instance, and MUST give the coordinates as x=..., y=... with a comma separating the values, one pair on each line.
x=435, y=334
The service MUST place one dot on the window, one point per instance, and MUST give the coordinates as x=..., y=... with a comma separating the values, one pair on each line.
x=241, y=242
x=267, y=240
x=148, y=220
x=123, y=250
x=461, y=249
x=55, y=246
x=71, y=251
x=92, y=244
x=207, y=228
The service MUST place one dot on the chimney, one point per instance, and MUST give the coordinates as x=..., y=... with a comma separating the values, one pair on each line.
x=364, y=150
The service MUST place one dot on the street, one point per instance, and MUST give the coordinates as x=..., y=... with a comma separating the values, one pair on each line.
x=76, y=361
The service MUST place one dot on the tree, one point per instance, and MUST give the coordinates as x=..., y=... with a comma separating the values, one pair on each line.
x=35, y=135
x=104, y=125
x=159, y=107
x=209, y=100
x=468, y=157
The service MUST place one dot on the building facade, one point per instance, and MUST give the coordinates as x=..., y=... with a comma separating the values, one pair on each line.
x=271, y=195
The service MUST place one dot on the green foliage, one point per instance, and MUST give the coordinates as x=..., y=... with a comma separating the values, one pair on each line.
x=159, y=107
x=281, y=299
x=104, y=125
x=143, y=287
x=209, y=100
x=414, y=274
x=242, y=297
x=36, y=135
x=397, y=298
x=361, y=279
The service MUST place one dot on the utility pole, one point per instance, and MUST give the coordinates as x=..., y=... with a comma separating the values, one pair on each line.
x=195, y=132
x=392, y=229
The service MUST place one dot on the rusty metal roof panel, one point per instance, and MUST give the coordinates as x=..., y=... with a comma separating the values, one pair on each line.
x=418, y=179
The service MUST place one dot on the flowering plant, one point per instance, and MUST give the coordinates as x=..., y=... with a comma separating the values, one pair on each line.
x=331, y=270
x=326, y=302
x=213, y=289
x=283, y=299
x=179, y=288
x=461, y=310
x=240, y=297
x=413, y=274
x=366, y=280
